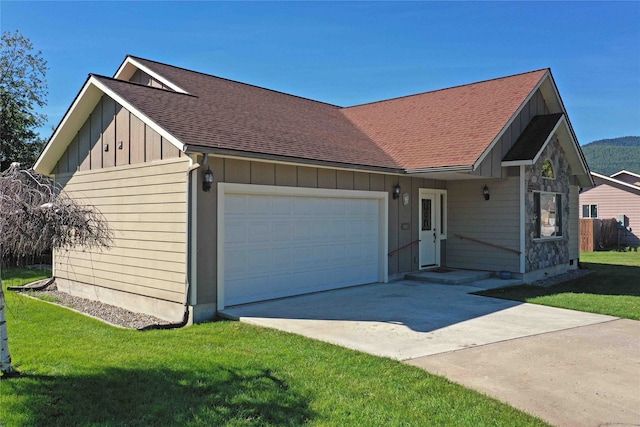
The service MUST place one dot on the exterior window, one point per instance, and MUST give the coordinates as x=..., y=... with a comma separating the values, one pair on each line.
x=547, y=170
x=589, y=211
x=426, y=214
x=549, y=215
x=442, y=214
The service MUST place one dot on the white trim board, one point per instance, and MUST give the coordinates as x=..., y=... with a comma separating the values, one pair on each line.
x=269, y=190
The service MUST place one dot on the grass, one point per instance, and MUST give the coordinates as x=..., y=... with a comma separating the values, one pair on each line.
x=613, y=288
x=79, y=371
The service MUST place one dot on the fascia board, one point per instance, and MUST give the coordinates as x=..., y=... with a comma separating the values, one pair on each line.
x=615, y=181
x=442, y=169
x=129, y=61
x=565, y=132
x=625, y=172
x=527, y=162
x=86, y=100
x=80, y=109
x=294, y=161
x=546, y=142
x=516, y=163
x=147, y=120
x=486, y=152
x=569, y=128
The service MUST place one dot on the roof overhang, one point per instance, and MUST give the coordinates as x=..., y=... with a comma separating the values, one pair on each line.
x=624, y=172
x=549, y=91
x=296, y=161
x=531, y=161
x=129, y=67
x=577, y=163
x=78, y=113
x=611, y=180
x=544, y=81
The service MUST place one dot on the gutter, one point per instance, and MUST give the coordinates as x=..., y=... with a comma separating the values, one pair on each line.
x=441, y=169
x=291, y=160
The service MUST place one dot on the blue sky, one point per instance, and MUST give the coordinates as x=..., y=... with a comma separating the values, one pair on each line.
x=348, y=53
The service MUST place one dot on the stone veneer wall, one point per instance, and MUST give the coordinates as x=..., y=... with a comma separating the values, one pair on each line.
x=548, y=252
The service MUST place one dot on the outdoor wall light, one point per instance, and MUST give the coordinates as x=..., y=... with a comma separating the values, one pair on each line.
x=207, y=180
x=396, y=191
x=485, y=192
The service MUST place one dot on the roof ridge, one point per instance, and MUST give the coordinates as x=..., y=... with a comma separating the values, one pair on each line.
x=235, y=81
x=448, y=88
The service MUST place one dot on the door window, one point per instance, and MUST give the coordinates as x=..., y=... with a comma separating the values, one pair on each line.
x=426, y=214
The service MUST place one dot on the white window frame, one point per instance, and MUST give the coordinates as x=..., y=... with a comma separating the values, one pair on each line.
x=559, y=227
x=590, y=208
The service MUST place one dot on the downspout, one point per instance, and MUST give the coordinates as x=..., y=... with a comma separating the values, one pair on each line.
x=191, y=233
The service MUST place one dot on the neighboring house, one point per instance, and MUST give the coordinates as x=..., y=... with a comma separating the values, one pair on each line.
x=305, y=195
x=616, y=196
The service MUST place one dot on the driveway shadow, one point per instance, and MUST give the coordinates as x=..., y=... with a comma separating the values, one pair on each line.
x=405, y=320
x=422, y=307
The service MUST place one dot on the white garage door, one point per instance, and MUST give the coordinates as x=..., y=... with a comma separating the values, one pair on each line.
x=282, y=241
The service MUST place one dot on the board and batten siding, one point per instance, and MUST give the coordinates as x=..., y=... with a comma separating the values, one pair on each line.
x=112, y=136
x=145, y=206
x=613, y=200
x=242, y=171
x=495, y=221
x=491, y=166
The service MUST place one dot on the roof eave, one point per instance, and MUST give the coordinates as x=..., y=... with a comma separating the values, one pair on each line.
x=130, y=64
x=77, y=114
x=486, y=152
x=85, y=100
x=625, y=172
x=615, y=181
x=539, y=153
x=228, y=153
x=465, y=168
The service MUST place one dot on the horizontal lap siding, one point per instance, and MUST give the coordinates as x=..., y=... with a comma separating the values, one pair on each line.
x=145, y=206
x=263, y=173
x=494, y=221
x=613, y=201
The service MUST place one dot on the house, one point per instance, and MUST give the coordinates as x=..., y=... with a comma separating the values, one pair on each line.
x=615, y=197
x=222, y=193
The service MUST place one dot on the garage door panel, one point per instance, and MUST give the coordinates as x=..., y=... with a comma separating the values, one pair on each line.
x=277, y=246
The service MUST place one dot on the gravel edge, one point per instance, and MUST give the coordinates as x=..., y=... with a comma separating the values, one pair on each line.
x=565, y=277
x=107, y=313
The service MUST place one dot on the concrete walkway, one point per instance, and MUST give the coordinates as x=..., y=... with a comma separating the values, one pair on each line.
x=567, y=367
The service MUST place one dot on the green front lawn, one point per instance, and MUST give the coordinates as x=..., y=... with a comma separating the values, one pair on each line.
x=79, y=371
x=613, y=288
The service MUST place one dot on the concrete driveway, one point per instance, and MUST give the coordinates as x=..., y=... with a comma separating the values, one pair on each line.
x=567, y=367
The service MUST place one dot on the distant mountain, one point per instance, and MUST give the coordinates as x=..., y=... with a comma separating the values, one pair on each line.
x=608, y=156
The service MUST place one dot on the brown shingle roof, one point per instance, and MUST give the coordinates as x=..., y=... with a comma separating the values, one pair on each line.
x=449, y=127
x=223, y=114
x=533, y=137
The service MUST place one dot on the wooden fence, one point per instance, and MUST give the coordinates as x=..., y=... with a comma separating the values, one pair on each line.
x=598, y=234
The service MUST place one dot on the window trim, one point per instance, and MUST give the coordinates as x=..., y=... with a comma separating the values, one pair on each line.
x=590, y=207
x=553, y=172
x=538, y=216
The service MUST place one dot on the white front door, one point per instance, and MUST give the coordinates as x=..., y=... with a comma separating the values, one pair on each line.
x=428, y=229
